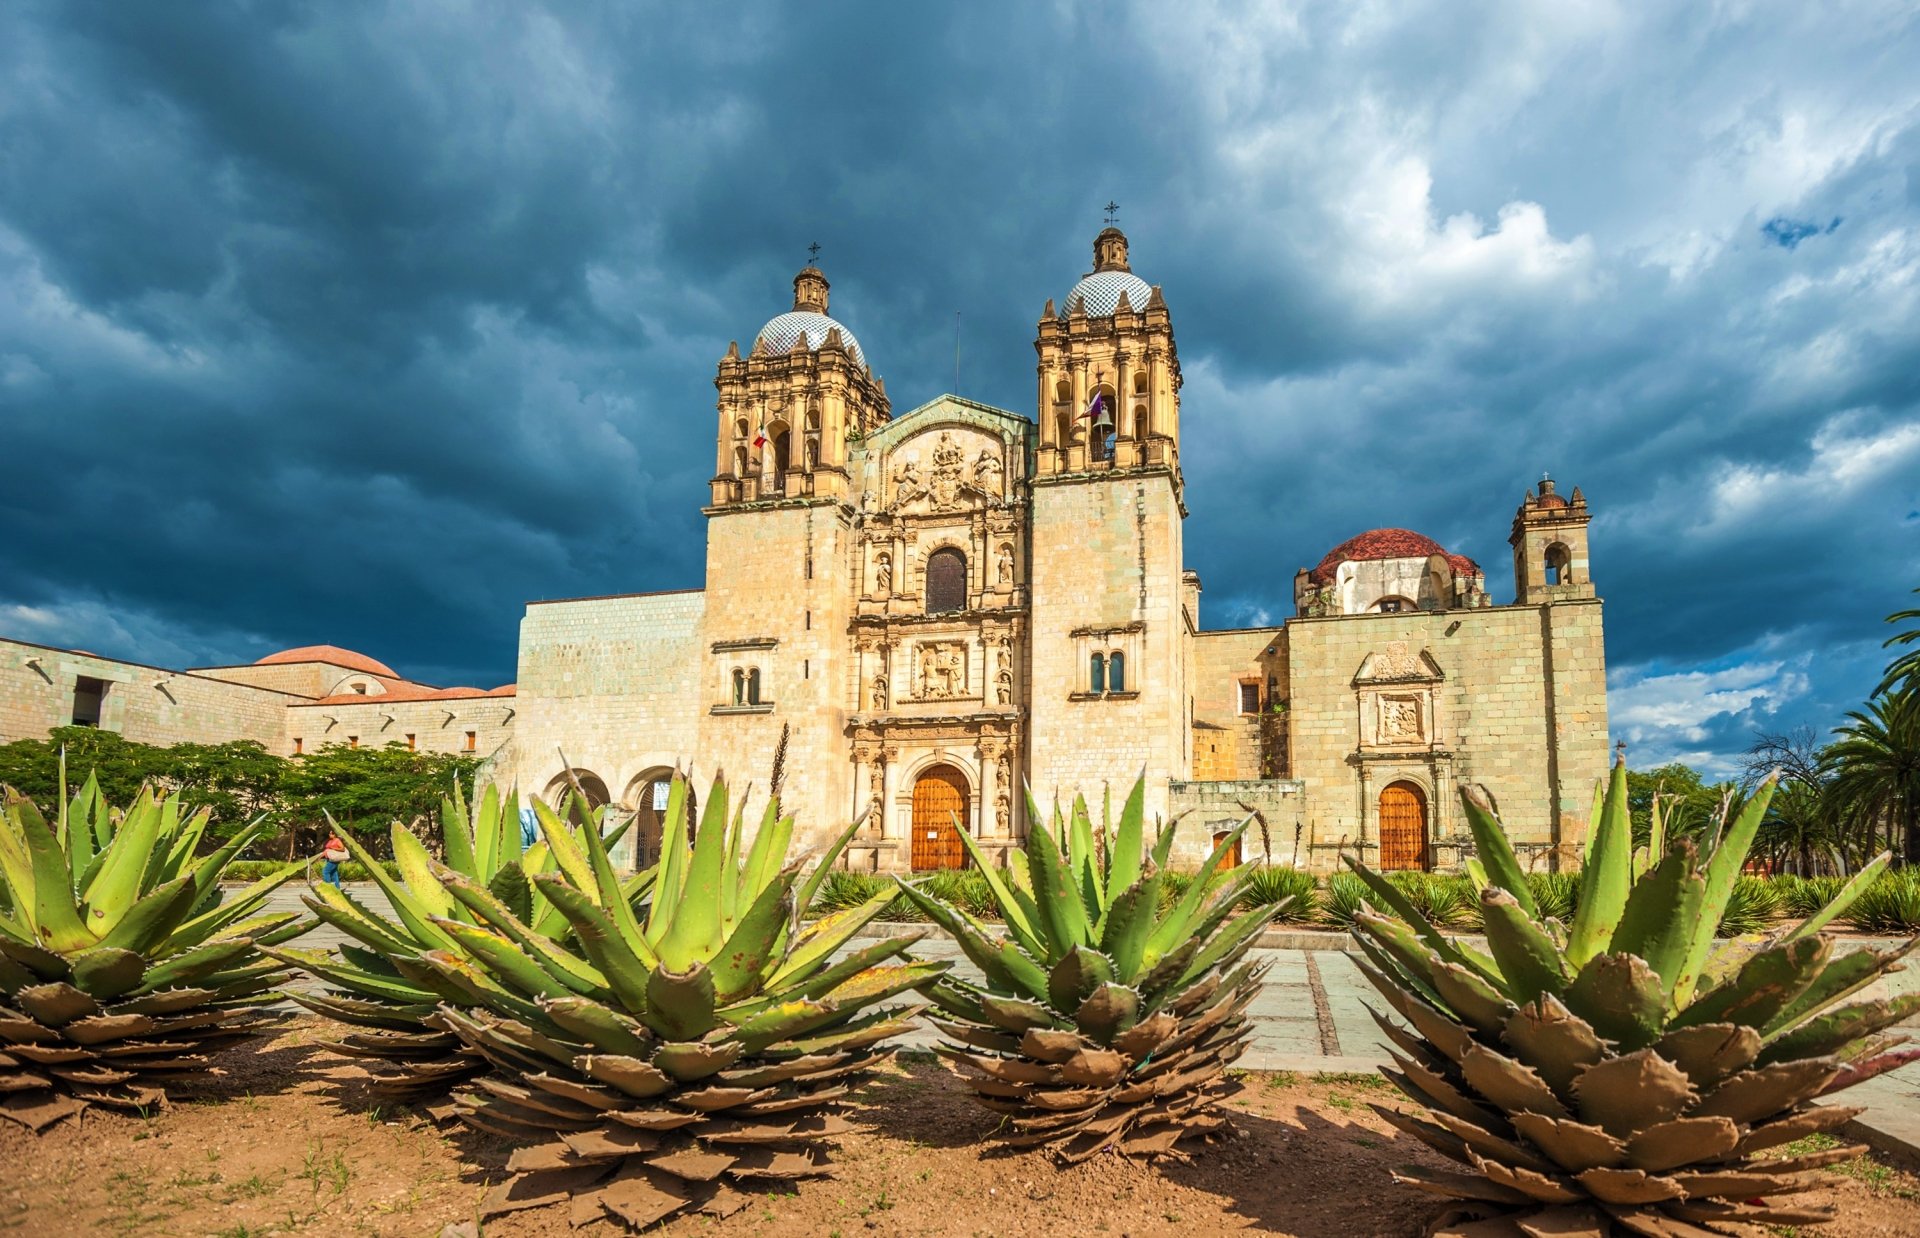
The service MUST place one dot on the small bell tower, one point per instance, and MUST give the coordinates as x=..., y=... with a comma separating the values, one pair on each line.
x=1109, y=373
x=788, y=408
x=1549, y=543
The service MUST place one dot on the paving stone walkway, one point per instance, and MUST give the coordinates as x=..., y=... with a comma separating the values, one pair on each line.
x=1311, y=1017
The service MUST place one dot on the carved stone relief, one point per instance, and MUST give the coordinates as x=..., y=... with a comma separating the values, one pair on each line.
x=949, y=484
x=943, y=670
x=1401, y=720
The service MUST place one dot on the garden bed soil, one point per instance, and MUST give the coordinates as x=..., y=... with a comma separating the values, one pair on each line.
x=287, y=1142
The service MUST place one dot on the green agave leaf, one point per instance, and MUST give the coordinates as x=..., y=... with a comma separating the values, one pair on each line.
x=1447, y=948
x=193, y=965
x=1079, y=972
x=1493, y=850
x=1062, y=913
x=1662, y=918
x=694, y=935
x=1834, y=1031
x=1177, y=925
x=619, y=959
x=1082, y=860
x=56, y=921
x=1723, y=870
x=1007, y=970
x=768, y=853
x=606, y=1029
x=1129, y=924
x=811, y=889
x=570, y=970
x=105, y=973
x=1764, y=986
x=673, y=860
x=1129, y=842
x=750, y=950
x=456, y=831
x=488, y=838
x=1018, y=911
x=1854, y=888
x=1530, y=964
x=680, y=1005
x=1608, y=873
x=501, y=956
x=77, y=823
x=337, y=908
x=1844, y=975
x=1621, y=998
x=351, y=979
x=562, y=846
x=510, y=885
x=210, y=923
x=612, y=897
x=416, y=869
x=820, y=939
x=417, y=916
x=149, y=922
x=1228, y=943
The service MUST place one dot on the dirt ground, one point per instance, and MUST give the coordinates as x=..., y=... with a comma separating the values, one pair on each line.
x=287, y=1143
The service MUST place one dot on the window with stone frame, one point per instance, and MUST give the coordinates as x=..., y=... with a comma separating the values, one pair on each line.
x=753, y=685
x=1097, y=678
x=946, y=581
x=1116, y=671
x=1249, y=696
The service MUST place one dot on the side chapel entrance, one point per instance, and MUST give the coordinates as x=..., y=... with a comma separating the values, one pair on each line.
x=939, y=798
x=1403, y=827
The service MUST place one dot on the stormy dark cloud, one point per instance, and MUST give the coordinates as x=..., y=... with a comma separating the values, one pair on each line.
x=366, y=323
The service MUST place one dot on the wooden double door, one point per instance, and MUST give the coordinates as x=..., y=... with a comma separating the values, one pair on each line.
x=1403, y=827
x=940, y=798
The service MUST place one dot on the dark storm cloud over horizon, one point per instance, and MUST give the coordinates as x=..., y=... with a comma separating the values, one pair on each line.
x=365, y=324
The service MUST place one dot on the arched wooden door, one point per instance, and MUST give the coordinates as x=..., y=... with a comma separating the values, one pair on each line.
x=939, y=798
x=1403, y=827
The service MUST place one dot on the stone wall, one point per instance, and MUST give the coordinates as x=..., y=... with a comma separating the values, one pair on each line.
x=143, y=703
x=474, y=725
x=1229, y=744
x=1214, y=807
x=1107, y=575
x=1512, y=697
x=615, y=682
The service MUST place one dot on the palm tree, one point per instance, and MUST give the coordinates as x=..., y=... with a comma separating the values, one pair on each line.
x=1876, y=766
x=1798, y=827
x=1905, y=668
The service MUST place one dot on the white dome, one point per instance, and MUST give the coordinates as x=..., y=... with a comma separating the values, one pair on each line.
x=782, y=331
x=1101, y=291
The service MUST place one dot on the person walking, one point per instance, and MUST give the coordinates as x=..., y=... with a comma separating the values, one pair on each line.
x=333, y=855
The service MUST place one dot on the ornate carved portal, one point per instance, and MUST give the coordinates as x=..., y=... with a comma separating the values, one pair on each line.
x=939, y=800
x=942, y=670
x=1403, y=827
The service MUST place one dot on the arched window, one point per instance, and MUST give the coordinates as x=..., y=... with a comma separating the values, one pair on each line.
x=1102, y=425
x=1559, y=565
x=782, y=452
x=1139, y=382
x=813, y=419
x=740, y=428
x=739, y=686
x=740, y=462
x=753, y=686
x=1140, y=422
x=1393, y=605
x=1063, y=429
x=1097, y=681
x=1063, y=392
x=946, y=580
x=1116, y=672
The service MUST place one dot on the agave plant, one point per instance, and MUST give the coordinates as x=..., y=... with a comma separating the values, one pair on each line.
x=121, y=960
x=665, y=1058
x=1105, y=1021
x=1629, y=1073
x=389, y=1014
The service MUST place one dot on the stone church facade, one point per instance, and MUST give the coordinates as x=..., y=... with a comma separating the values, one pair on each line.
x=941, y=608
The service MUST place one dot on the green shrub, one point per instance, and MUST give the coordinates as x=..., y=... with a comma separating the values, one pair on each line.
x=1555, y=894
x=843, y=889
x=1804, y=896
x=1271, y=883
x=245, y=872
x=1890, y=905
x=1343, y=897
x=965, y=888
x=1446, y=901
x=1753, y=905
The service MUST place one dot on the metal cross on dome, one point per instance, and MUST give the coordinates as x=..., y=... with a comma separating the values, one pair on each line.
x=813, y=253
x=1112, y=208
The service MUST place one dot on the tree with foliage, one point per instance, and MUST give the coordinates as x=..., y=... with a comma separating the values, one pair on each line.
x=1905, y=669
x=1875, y=769
x=365, y=790
x=32, y=766
x=1688, y=802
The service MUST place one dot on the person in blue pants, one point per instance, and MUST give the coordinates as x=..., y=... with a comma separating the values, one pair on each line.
x=332, y=856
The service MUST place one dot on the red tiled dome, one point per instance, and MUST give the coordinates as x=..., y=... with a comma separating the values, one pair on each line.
x=1386, y=544
x=333, y=655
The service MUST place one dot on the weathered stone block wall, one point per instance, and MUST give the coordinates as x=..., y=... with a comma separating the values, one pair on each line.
x=143, y=703
x=780, y=585
x=1227, y=743
x=1520, y=707
x=1215, y=807
x=613, y=681
x=310, y=679
x=1107, y=574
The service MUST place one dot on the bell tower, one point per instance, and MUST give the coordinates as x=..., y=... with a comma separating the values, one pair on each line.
x=1110, y=641
x=1109, y=374
x=1549, y=541
x=788, y=408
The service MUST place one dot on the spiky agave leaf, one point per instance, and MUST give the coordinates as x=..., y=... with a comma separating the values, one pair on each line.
x=1642, y=1076
x=122, y=963
x=387, y=1004
x=1105, y=1022
x=668, y=1059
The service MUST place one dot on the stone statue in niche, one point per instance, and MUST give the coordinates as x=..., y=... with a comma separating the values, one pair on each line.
x=1003, y=687
x=1399, y=719
x=879, y=698
x=1003, y=564
x=942, y=676
x=987, y=471
x=883, y=574
x=1003, y=807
